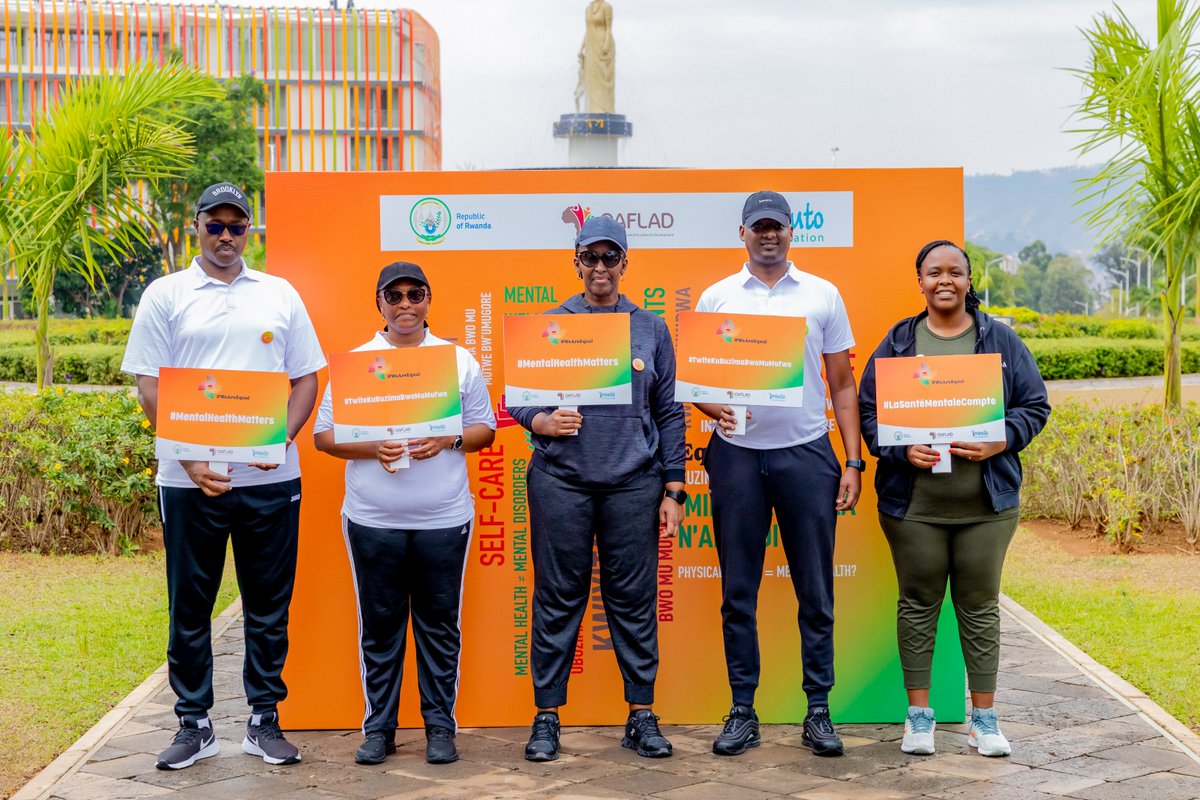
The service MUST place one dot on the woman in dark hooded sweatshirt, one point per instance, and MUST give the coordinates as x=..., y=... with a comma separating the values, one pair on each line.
x=954, y=526
x=610, y=475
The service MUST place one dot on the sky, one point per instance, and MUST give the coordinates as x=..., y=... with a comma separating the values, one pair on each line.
x=980, y=84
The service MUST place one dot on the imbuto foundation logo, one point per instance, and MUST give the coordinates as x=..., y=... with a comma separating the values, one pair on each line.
x=209, y=387
x=430, y=220
x=378, y=369
x=552, y=333
x=924, y=374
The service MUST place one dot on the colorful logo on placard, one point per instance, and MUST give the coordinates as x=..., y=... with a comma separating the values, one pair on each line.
x=552, y=333
x=378, y=369
x=209, y=387
x=576, y=215
x=430, y=220
x=727, y=331
x=924, y=374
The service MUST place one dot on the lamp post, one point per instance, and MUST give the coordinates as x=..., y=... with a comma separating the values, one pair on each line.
x=1122, y=299
x=1086, y=306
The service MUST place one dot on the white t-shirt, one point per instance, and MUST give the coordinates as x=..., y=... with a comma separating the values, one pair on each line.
x=797, y=294
x=431, y=493
x=189, y=319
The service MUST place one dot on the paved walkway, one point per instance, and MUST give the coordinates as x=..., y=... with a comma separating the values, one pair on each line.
x=1071, y=737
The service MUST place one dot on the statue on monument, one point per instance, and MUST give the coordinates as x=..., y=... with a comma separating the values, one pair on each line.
x=597, y=62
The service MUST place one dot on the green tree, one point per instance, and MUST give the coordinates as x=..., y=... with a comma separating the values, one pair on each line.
x=1029, y=291
x=222, y=128
x=1066, y=287
x=1140, y=99
x=119, y=290
x=1035, y=253
x=68, y=187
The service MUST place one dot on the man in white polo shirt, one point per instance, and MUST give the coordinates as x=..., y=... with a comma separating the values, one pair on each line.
x=784, y=463
x=218, y=314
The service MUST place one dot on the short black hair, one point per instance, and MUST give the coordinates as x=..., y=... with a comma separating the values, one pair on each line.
x=972, y=298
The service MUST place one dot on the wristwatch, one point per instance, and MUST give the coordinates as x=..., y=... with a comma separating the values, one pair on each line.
x=857, y=463
x=678, y=495
x=457, y=443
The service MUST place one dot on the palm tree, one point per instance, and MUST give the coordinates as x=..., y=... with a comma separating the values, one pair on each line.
x=70, y=185
x=1141, y=99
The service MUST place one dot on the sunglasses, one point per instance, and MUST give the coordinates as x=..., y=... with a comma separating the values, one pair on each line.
x=415, y=296
x=218, y=228
x=611, y=258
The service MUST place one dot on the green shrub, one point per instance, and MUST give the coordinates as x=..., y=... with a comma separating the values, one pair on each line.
x=1132, y=329
x=1067, y=359
x=1125, y=471
x=67, y=331
x=98, y=364
x=76, y=471
x=1020, y=315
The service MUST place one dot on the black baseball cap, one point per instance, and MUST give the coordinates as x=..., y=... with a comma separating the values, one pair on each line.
x=602, y=229
x=223, y=194
x=767, y=205
x=399, y=270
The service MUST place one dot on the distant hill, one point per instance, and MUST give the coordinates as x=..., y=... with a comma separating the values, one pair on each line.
x=1007, y=212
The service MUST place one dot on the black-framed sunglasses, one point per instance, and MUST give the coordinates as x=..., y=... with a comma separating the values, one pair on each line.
x=589, y=259
x=415, y=295
x=217, y=228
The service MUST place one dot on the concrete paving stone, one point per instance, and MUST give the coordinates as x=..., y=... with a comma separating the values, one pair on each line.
x=1047, y=716
x=1192, y=770
x=579, y=742
x=1104, y=769
x=1015, y=731
x=843, y=768
x=988, y=791
x=911, y=780
x=714, y=791
x=1037, y=751
x=163, y=720
x=1049, y=781
x=107, y=752
x=575, y=792
x=357, y=784
x=1100, y=708
x=1156, y=786
x=231, y=762
x=152, y=708
x=1121, y=730
x=775, y=755
x=243, y=786
x=852, y=791
x=1024, y=698
x=511, y=735
x=228, y=646
x=777, y=780
x=973, y=766
x=645, y=781
x=126, y=767
x=848, y=742
x=1148, y=756
x=151, y=741
x=887, y=755
x=85, y=786
x=705, y=765
x=880, y=732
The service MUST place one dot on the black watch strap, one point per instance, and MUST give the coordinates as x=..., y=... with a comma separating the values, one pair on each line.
x=678, y=495
x=856, y=463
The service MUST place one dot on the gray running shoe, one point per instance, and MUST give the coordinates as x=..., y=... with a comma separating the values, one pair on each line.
x=191, y=744
x=266, y=740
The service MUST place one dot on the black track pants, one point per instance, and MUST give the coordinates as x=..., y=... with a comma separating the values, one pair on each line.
x=565, y=520
x=800, y=484
x=263, y=522
x=395, y=571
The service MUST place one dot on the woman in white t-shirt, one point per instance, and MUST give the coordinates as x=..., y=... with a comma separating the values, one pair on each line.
x=408, y=532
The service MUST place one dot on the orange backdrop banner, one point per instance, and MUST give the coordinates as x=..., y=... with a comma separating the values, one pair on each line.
x=502, y=248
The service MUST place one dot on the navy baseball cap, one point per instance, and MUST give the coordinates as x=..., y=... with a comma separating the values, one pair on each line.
x=767, y=205
x=600, y=229
x=400, y=270
x=223, y=194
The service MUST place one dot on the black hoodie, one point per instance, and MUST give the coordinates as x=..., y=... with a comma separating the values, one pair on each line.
x=1026, y=410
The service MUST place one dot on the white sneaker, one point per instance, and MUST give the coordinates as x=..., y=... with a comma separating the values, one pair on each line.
x=985, y=734
x=918, y=731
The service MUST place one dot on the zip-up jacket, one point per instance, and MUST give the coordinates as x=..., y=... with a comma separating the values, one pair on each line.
x=1026, y=410
x=618, y=442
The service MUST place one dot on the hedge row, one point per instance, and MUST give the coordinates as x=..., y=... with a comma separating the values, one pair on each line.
x=1029, y=324
x=67, y=331
x=98, y=364
x=76, y=472
x=1067, y=359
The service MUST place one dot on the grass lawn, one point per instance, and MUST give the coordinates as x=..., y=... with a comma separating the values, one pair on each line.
x=1137, y=615
x=78, y=634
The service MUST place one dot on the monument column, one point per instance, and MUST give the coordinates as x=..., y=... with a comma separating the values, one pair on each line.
x=593, y=131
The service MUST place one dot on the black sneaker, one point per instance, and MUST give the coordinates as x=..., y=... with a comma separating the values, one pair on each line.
x=266, y=740
x=543, y=739
x=819, y=735
x=191, y=744
x=439, y=745
x=376, y=748
x=739, y=734
x=642, y=734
